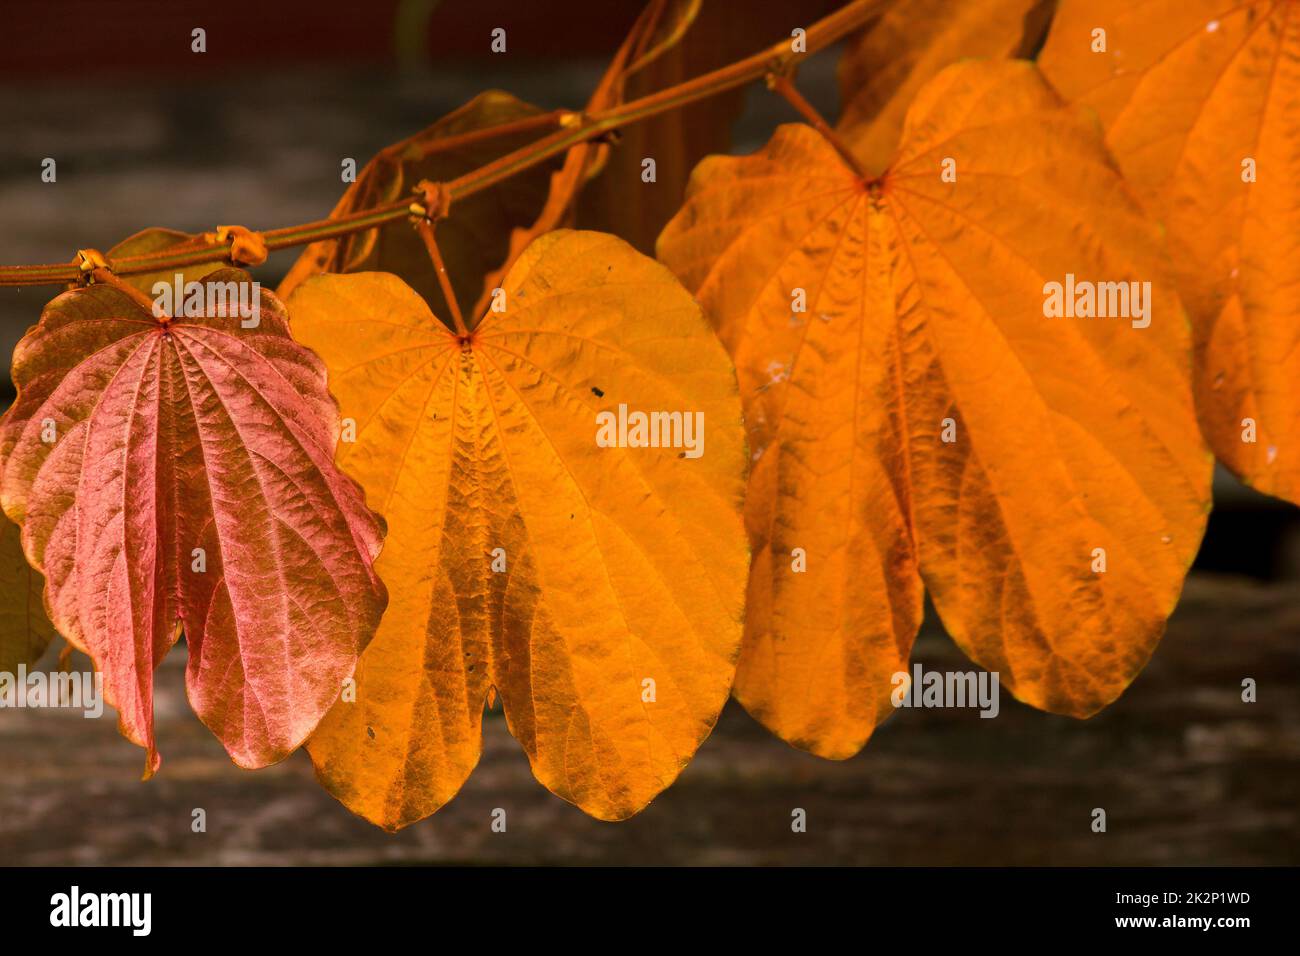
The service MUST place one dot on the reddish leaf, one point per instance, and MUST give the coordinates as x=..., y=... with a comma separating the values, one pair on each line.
x=169, y=437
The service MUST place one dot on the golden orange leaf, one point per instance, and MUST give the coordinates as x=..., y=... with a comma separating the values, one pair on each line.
x=521, y=555
x=911, y=42
x=925, y=304
x=1198, y=97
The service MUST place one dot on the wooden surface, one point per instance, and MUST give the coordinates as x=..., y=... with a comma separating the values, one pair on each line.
x=1187, y=773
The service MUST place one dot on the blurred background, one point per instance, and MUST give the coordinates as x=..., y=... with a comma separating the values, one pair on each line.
x=147, y=133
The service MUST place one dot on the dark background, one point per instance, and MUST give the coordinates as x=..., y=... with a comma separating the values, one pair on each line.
x=148, y=134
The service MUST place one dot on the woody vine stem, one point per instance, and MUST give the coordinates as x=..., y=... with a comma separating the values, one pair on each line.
x=574, y=129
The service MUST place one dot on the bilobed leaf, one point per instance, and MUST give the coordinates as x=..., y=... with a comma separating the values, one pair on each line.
x=474, y=240
x=614, y=565
x=925, y=303
x=135, y=444
x=25, y=631
x=911, y=42
x=1197, y=96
